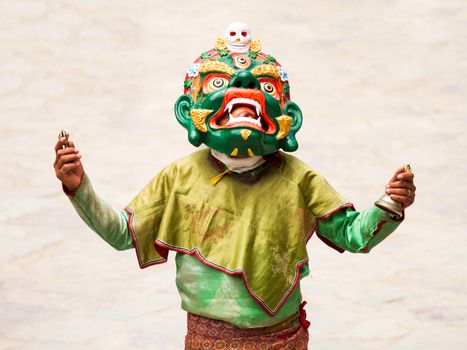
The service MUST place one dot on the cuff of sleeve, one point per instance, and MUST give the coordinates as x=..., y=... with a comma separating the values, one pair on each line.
x=386, y=224
x=67, y=191
x=384, y=215
x=81, y=191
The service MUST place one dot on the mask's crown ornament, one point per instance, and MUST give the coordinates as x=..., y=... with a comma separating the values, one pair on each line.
x=238, y=36
x=237, y=39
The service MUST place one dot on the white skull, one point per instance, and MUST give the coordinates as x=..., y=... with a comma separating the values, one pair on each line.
x=238, y=34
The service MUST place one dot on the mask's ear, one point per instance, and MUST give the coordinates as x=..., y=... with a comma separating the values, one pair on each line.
x=290, y=143
x=182, y=108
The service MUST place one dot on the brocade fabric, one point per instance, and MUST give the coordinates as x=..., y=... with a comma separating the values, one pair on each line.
x=204, y=333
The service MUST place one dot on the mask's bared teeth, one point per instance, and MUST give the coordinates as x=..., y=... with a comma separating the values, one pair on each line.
x=238, y=120
x=258, y=111
x=229, y=107
x=230, y=122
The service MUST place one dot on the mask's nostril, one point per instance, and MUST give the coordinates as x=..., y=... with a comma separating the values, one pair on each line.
x=251, y=85
x=238, y=83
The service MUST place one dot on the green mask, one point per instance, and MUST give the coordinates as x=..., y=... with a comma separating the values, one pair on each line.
x=237, y=100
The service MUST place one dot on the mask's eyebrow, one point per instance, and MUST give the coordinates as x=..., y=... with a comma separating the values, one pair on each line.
x=270, y=70
x=216, y=66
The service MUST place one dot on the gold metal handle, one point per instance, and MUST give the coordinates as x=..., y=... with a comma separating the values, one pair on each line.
x=66, y=135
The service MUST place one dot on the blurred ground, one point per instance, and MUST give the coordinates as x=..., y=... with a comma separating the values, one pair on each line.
x=380, y=83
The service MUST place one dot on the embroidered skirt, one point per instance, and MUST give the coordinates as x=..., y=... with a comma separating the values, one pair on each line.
x=205, y=333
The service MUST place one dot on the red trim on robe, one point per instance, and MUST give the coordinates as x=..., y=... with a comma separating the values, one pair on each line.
x=163, y=250
x=325, y=217
x=302, y=317
x=378, y=228
x=162, y=253
x=240, y=272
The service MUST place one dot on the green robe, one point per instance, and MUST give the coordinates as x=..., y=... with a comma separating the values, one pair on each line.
x=248, y=238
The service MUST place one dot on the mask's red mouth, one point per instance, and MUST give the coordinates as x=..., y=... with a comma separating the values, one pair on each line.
x=243, y=108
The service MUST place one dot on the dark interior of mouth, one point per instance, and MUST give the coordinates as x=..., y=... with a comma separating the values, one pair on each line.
x=246, y=111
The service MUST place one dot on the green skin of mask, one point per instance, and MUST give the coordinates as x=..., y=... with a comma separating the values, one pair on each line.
x=213, y=90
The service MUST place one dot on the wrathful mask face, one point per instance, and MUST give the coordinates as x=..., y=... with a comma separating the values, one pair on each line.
x=238, y=103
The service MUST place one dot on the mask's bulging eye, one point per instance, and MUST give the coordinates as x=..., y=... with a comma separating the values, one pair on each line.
x=244, y=34
x=214, y=82
x=217, y=83
x=232, y=33
x=270, y=88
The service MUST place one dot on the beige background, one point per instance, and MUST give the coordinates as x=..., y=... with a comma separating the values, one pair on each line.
x=380, y=83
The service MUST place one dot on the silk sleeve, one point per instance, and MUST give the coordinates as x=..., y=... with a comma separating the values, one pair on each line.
x=357, y=232
x=108, y=223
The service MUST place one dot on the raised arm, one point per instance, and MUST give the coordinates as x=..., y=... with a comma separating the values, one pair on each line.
x=359, y=232
x=108, y=223
x=356, y=232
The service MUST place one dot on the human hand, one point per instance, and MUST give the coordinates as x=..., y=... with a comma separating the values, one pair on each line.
x=67, y=165
x=401, y=187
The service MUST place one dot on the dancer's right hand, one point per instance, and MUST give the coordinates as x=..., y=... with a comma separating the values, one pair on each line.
x=67, y=165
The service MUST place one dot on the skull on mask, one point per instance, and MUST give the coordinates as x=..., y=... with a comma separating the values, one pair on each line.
x=238, y=35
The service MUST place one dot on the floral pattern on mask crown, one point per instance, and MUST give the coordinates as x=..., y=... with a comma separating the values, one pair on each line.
x=255, y=46
x=266, y=69
x=210, y=66
x=220, y=44
x=193, y=70
x=283, y=74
